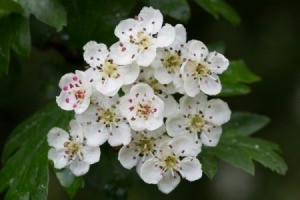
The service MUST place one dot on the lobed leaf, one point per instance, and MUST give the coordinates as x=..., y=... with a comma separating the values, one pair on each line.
x=25, y=160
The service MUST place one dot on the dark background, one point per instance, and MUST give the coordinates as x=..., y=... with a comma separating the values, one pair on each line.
x=267, y=39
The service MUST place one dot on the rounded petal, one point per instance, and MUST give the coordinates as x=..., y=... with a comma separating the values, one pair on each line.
x=171, y=106
x=169, y=182
x=217, y=112
x=211, y=136
x=216, y=62
x=154, y=123
x=165, y=36
x=57, y=137
x=128, y=157
x=79, y=168
x=59, y=158
x=123, y=53
x=129, y=73
x=146, y=57
x=66, y=101
x=180, y=37
x=197, y=51
x=122, y=30
x=210, y=84
x=110, y=87
x=162, y=75
x=76, y=130
x=91, y=155
x=141, y=89
x=120, y=134
x=189, y=105
x=191, y=87
x=177, y=125
x=191, y=168
x=150, y=172
x=94, y=53
x=95, y=134
x=151, y=19
x=186, y=145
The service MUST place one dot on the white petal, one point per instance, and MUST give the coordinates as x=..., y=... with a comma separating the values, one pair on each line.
x=59, y=158
x=177, y=125
x=186, y=145
x=151, y=19
x=189, y=105
x=76, y=130
x=150, y=172
x=191, y=87
x=122, y=30
x=171, y=106
x=66, y=101
x=180, y=37
x=191, y=168
x=103, y=101
x=91, y=155
x=141, y=89
x=165, y=36
x=210, y=84
x=169, y=182
x=123, y=54
x=146, y=57
x=162, y=75
x=110, y=87
x=129, y=73
x=94, y=53
x=57, y=137
x=95, y=134
x=154, y=123
x=120, y=134
x=211, y=136
x=197, y=51
x=128, y=157
x=217, y=112
x=79, y=168
x=216, y=62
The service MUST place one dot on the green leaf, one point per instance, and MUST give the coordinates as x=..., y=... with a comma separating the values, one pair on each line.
x=21, y=43
x=235, y=78
x=70, y=182
x=208, y=161
x=10, y=6
x=178, y=9
x=220, y=7
x=243, y=123
x=50, y=12
x=5, y=41
x=240, y=151
x=25, y=161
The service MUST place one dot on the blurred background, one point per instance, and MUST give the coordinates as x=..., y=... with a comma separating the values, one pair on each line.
x=268, y=39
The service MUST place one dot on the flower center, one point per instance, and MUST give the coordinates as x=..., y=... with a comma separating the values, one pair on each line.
x=145, y=145
x=172, y=62
x=143, y=41
x=108, y=116
x=79, y=94
x=73, y=147
x=199, y=70
x=196, y=123
x=109, y=70
x=144, y=109
x=170, y=162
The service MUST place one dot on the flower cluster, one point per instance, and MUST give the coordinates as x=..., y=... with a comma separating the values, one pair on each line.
x=147, y=93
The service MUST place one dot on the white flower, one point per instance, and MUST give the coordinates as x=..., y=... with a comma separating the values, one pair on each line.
x=76, y=92
x=71, y=150
x=106, y=76
x=163, y=91
x=103, y=121
x=201, y=69
x=140, y=37
x=142, y=108
x=198, y=115
x=169, y=60
x=175, y=157
x=141, y=147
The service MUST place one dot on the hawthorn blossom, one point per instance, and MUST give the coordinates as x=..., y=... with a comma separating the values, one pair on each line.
x=200, y=116
x=106, y=76
x=140, y=37
x=201, y=70
x=142, y=108
x=163, y=91
x=169, y=59
x=141, y=148
x=103, y=121
x=70, y=150
x=76, y=92
x=175, y=157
